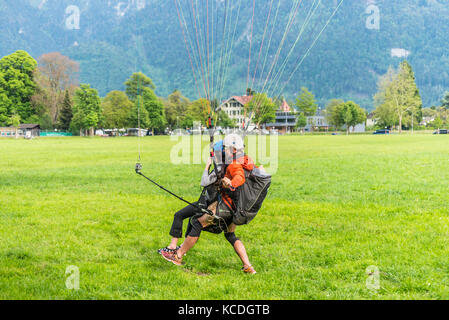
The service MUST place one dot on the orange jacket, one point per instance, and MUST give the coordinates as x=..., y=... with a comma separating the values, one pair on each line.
x=236, y=173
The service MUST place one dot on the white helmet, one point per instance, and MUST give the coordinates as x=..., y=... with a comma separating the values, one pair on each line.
x=234, y=140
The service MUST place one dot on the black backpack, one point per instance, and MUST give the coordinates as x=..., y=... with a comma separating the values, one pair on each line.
x=250, y=196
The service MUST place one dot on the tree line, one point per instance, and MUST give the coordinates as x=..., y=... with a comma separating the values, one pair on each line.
x=47, y=92
x=398, y=104
x=338, y=113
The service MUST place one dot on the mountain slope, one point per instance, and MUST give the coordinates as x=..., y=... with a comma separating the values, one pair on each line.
x=116, y=38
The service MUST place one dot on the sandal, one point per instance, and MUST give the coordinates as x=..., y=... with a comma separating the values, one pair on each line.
x=168, y=250
x=249, y=270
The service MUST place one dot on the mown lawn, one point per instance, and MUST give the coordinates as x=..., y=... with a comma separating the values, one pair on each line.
x=337, y=205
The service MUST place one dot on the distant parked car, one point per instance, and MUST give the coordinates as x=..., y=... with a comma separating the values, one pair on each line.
x=383, y=131
x=442, y=131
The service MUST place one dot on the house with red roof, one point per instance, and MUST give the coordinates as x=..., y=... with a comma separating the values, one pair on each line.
x=285, y=119
x=235, y=108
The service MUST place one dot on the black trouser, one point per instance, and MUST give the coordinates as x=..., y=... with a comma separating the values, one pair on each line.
x=180, y=216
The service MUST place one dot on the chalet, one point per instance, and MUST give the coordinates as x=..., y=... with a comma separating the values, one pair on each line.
x=235, y=108
x=285, y=116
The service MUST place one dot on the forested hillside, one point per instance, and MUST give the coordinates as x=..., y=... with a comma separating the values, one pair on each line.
x=115, y=38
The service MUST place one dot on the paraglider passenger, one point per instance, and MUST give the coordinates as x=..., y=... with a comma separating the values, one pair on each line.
x=223, y=208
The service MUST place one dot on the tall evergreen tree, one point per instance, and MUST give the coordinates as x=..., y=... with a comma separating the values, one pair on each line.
x=66, y=114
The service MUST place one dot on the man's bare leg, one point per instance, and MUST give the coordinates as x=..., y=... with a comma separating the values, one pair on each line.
x=241, y=251
x=188, y=244
x=240, y=248
x=173, y=243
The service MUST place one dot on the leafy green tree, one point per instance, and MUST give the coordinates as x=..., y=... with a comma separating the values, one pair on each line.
x=14, y=121
x=187, y=122
x=155, y=109
x=5, y=103
x=141, y=86
x=66, y=113
x=437, y=123
x=87, y=113
x=139, y=117
x=333, y=115
x=224, y=121
x=116, y=110
x=385, y=113
x=306, y=103
x=199, y=110
x=56, y=74
x=347, y=118
x=136, y=84
x=399, y=93
x=385, y=116
x=17, y=84
x=351, y=114
x=46, y=122
x=301, y=121
x=262, y=109
x=176, y=107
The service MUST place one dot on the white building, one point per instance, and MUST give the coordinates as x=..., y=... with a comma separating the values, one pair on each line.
x=235, y=108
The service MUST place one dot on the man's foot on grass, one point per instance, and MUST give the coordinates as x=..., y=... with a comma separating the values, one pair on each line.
x=167, y=249
x=172, y=257
x=249, y=270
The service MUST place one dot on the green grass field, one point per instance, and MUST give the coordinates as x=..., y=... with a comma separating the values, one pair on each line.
x=337, y=205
